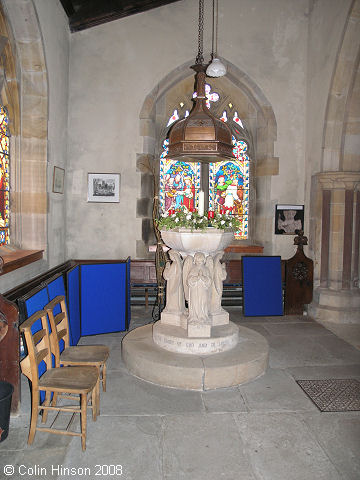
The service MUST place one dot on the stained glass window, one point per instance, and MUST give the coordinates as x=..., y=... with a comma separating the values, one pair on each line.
x=228, y=180
x=179, y=183
x=229, y=187
x=4, y=178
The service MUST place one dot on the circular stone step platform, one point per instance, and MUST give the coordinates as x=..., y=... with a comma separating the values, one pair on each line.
x=146, y=360
x=175, y=339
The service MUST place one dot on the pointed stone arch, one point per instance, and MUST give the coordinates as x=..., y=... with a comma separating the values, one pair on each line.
x=258, y=116
x=25, y=94
x=340, y=97
x=335, y=206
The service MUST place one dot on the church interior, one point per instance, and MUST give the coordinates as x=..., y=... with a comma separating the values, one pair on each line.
x=89, y=93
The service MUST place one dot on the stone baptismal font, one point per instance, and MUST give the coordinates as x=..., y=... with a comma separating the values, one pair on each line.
x=195, y=277
x=194, y=345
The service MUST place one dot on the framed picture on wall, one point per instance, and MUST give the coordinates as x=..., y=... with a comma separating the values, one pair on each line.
x=58, y=180
x=289, y=219
x=103, y=187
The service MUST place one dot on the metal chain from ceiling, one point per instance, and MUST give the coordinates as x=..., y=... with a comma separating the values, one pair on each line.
x=200, y=57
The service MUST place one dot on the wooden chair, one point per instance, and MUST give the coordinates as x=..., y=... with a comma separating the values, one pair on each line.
x=95, y=355
x=82, y=381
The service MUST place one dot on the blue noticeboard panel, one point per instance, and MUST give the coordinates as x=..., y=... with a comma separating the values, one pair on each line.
x=127, y=322
x=36, y=301
x=33, y=303
x=103, y=298
x=56, y=287
x=262, y=287
x=73, y=302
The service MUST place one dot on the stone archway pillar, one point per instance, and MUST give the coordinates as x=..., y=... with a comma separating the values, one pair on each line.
x=336, y=231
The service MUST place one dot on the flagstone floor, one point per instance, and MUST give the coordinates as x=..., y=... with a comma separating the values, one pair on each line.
x=267, y=429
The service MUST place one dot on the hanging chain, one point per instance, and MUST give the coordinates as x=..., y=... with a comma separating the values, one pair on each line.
x=200, y=57
x=216, y=15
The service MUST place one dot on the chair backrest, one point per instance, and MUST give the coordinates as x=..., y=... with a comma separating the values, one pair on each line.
x=59, y=325
x=38, y=346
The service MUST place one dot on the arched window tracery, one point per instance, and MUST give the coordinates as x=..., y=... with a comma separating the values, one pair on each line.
x=4, y=178
x=228, y=181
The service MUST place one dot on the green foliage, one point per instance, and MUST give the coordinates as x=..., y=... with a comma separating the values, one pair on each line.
x=193, y=221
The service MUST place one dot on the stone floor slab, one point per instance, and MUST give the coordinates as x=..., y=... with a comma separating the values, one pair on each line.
x=339, y=436
x=166, y=434
x=296, y=329
x=204, y=447
x=224, y=400
x=318, y=373
x=280, y=447
x=275, y=391
x=134, y=443
x=288, y=351
x=128, y=395
x=341, y=351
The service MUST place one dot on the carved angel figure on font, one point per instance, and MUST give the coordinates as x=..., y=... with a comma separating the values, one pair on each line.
x=199, y=281
x=174, y=288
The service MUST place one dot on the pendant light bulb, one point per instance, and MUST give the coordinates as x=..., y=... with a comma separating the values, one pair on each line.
x=216, y=68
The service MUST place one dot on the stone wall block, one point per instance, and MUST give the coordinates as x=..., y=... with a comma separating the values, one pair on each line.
x=337, y=223
x=353, y=125
x=331, y=159
x=35, y=226
x=32, y=55
x=147, y=127
x=143, y=207
x=34, y=203
x=349, y=47
x=34, y=105
x=338, y=197
x=342, y=80
x=147, y=185
x=34, y=149
x=33, y=176
x=333, y=134
x=147, y=106
x=19, y=10
x=149, y=144
x=34, y=126
x=34, y=83
x=351, y=162
x=268, y=167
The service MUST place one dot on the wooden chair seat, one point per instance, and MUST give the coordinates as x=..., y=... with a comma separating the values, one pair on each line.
x=95, y=355
x=71, y=382
x=75, y=380
x=85, y=354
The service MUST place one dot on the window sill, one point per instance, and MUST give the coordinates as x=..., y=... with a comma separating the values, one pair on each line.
x=244, y=249
x=14, y=259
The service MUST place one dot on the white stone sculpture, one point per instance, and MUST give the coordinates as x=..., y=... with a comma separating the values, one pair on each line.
x=199, y=282
x=218, y=314
x=174, y=311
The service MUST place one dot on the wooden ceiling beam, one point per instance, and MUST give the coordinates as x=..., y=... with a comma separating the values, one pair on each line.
x=85, y=14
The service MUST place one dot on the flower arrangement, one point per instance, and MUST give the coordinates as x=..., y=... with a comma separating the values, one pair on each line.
x=194, y=221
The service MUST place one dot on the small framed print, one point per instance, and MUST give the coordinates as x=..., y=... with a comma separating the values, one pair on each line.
x=289, y=219
x=58, y=180
x=103, y=187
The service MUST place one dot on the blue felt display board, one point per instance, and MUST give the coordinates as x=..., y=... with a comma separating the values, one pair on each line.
x=56, y=287
x=127, y=323
x=262, y=287
x=103, y=298
x=33, y=303
x=73, y=298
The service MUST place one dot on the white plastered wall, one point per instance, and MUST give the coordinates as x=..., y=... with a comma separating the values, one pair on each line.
x=113, y=67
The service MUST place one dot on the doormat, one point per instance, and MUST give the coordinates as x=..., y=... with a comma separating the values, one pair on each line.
x=333, y=395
